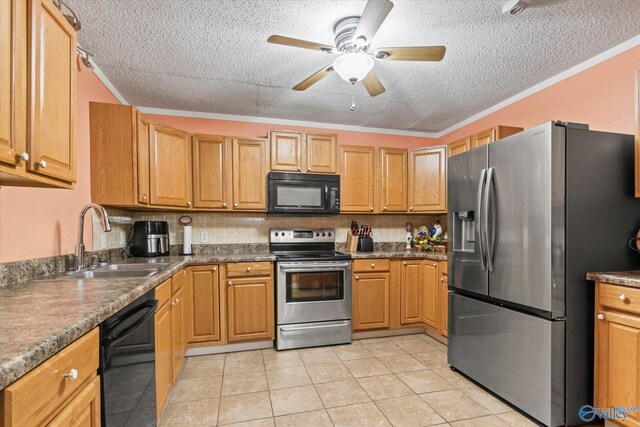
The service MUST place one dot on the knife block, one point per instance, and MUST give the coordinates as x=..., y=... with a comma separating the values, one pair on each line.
x=352, y=243
x=365, y=244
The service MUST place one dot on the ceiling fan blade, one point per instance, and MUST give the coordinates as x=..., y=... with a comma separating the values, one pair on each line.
x=372, y=84
x=374, y=14
x=314, y=78
x=288, y=41
x=412, y=53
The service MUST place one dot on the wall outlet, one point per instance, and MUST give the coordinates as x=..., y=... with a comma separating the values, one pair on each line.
x=103, y=243
x=204, y=237
x=123, y=239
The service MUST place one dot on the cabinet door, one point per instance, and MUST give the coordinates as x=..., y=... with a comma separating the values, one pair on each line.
x=202, y=296
x=164, y=355
x=357, y=179
x=286, y=151
x=411, y=293
x=250, y=309
x=460, y=146
x=211, y=171
x=430, y=293
x=428, y=180
x=52, y=92
x=142, y=155
x=170, y=166
x=178, y=340
x=321, y=153
x=393, y=178
x=250, y=166
x=370, y=301
x=443, y=299
x=483, y=138
x=13, y=38
x=618, y=362
x=83, y=410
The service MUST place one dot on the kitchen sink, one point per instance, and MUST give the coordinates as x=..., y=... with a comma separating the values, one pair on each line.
x=114, y=271
x=135, y=266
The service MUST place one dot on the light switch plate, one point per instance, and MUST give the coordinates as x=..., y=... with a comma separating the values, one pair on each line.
x=204, y=237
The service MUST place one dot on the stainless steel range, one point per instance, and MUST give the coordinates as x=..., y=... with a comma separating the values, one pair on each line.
x=313, y=289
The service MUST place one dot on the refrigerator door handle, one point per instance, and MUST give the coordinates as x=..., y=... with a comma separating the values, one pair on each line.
x=489, y=197
x=479, y=216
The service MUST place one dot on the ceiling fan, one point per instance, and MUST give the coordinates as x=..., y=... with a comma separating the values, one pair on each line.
x=353, y=37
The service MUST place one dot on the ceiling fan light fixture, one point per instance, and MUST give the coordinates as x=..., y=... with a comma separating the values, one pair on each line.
x=353, y=66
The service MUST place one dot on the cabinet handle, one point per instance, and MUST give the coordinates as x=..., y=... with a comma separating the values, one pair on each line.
x=72, y=375
x=622, y=297
x=404, y=263
x=144, y=198
x=600, y=316
x=442, y=279
x=215, y=268
x=224, y=205
x=373, y=265
x=357, y=277
x=188, y=203
x=229, y=283
x=371, y=208
x=308, y=169
x=42, y=164
x=24, y=156
x=248, y=268
x=384, y=208
x=235, y=205
x=411, y=208
x=299, y=168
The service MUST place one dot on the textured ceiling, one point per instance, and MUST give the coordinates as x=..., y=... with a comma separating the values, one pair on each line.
x=212, y=56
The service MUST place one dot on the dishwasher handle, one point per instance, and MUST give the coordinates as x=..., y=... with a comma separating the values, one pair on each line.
x=114, y=336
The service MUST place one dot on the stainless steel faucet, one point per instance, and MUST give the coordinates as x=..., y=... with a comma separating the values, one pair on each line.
x=78, y=264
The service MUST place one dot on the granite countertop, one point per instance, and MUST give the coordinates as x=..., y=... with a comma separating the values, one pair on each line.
x=38, y=318
x=434, y=256
x=624, y=278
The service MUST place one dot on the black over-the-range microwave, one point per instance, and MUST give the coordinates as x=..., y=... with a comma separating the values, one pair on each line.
x=303, y=194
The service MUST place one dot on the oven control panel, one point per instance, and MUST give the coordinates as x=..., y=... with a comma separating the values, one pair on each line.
x=303, y=235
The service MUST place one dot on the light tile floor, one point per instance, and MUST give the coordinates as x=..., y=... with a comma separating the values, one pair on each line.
x=395, y=381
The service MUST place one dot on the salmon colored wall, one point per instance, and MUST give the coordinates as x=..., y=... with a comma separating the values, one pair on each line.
x=261, y=130
x=601, y=96
x=38, y=222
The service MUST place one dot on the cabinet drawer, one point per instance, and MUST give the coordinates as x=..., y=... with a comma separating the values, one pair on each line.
x=249, y=269
x=163, y=292
x=364, y=265
x=619, y=297
x=38, y=395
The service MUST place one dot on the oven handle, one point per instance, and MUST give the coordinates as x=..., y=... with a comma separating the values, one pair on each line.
x=331, y=267
x=302, y=328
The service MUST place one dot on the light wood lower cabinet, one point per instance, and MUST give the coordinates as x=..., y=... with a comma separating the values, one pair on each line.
x=250, y=308
x=411, y=292
x=617, y=349
x=49, y=396
x=371, y=300
x=443, y=299
x=430, y=289
x=202, y=297
x=178, y=336
x=164, y=345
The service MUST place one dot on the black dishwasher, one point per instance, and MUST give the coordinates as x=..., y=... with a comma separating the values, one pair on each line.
x=127, y=365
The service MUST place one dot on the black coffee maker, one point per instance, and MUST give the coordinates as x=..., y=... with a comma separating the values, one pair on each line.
x=150, y=238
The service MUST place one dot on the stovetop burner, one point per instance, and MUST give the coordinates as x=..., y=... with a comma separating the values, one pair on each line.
x=305, y=245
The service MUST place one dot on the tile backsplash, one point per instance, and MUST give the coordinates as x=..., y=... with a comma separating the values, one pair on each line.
x=121, y=222
x=229, y=228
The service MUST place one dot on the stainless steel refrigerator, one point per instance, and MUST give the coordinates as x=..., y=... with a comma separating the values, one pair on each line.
x=529, y=215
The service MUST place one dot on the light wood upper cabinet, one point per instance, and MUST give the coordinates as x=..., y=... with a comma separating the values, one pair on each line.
x=286, y=151
x=250, y=167
x=250, y=308
x=492, y=135
x=357, y=179
x=13, y=82
x=430, y=293
x=371, y=301
x=458, y=147
x=212, y=187
x=393, y=180
x=52, y=93
x=428, y=180
x=169, y=166
x=142, y=153
x=443, y=299
x=321, y=153
x=411, y=292
x=202, y=296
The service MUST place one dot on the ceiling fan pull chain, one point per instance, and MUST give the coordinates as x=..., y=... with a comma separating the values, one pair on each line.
x=353, y=103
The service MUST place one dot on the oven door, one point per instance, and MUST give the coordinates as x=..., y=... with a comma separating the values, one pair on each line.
x=313, y=291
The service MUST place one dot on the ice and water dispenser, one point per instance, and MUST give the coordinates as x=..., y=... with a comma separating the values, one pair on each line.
x=464, y=227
